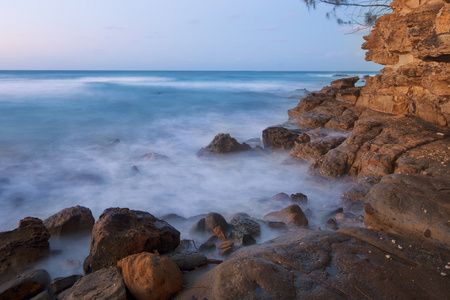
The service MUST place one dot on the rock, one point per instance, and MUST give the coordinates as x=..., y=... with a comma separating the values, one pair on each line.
x=26, y=285
x=219, y=233
x=22, y=247
x=292, y=215
x=173, y=218
x=277, y=225
x=149, y=276
x=344, y=83
x=280, y=197
x=102, y=284
x=225, y=244
x=319, y=265
x=331, y=224
x=208, y=246
x=223, y=144
x=61, y=284
x=243, y=239
x=199, y=227
x=410, y=205
x=413, y=43
x=212, y=220
x=44, y=295
x=279, y=138
x=314, y=150
x=120, y=232
x=299, y=198
x=187, y=261
x=246, y=225
x=153, y=156
x=77, y=219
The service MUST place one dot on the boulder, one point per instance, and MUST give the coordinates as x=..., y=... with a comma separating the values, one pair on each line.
x=313, y=150
x=223, y=144
x=77, y=219
x=325, y=265
x=213, y=220
x=279, y=138
x=243, y=239
x=291, y=215
x=149, y=276
x=102, y=284
x=61, y=284
x=120, y=232
x=22, y=247
x=299, y=198
x=411, y=205
x=280, y=197
x=344, y=83
x=187, y=260
x=246, y=225
x=26, y=285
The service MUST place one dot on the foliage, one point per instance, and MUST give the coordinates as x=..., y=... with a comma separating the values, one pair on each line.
x=361, y=13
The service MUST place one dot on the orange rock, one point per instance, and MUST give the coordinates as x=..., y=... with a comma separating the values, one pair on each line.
x=225, y=244
x=149, y=276
x=218, y=231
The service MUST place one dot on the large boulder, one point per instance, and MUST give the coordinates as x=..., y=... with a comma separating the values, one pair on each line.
x=213, y=220
x=77, y=219
x=120, y=232
x=23, y=246
x=326, y=265
x=105, y=284
x=223, y=143
x=26, y=285
x=150, y=276
x=279, y=138
x=411, y=205
x=291, y=215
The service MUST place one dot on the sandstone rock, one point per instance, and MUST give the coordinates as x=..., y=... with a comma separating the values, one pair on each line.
x=100, y=285
x=21, y=247
x=331, y=224
x=61, y=284
x=77, y=219
x=149, y=276
x=120, y=232
x=314, y=150
x=320, y=115
x=223, y=144
x=225, y=244
x=410, y=205
x=26, y=285
x=277, y=225
x=219, y=233
x=344, y=83
x=246, y=225
x=292, y=215
x=199, y=227
x=319, y=265
x=243, y=239
x=212, y=220
x=413, y=42
x=279, y=138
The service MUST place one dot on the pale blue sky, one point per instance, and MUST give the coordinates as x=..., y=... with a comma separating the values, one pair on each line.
x=175, y=35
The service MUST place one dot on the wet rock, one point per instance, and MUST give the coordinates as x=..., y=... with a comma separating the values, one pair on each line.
x=292, y=215
x=410, y=205
x=225, y=244
x=120, y=232
x=88, y=178
x=219, y=233
x=277, y=225
x=102, y=284
x=149, y=276
x=280, y=197
x=77, y=219
x=213, y=220
x=317, y=265
x=154, y=156
x=173, y=218
x=187, y=260
x=331, y=224
x=135, y=170
x=344, y=83
x=246, y=225
x=26, y=285
x=299, y=198
x=223, y=144
x=243, y=239
x=61, y=284
x=207, y=247
x=22, y=247
x=279, y=138
x=199, y=227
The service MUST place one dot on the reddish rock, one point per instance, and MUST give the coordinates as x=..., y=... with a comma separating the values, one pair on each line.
x=212, y=220
x=223, y=144
x=299, y=198
x=149, y=276
x=26, y=285
x=225, y=244
x=120, y=232
x=77, y=219
x=279, y=138
x=219, y=233
x=22, y=247
x=292, y=215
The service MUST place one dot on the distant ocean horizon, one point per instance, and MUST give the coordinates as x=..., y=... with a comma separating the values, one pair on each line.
x=86, y=138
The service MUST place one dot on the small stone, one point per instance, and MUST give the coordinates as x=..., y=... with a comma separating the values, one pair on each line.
x=225, y=244
x=440, y=133
x=427, y=233
x=388, y=256
x=340, y=216
x=225, y=251
x=394, y=242
x=443, y=274
x=400, y=247
x=447, y=267
x=218, y=231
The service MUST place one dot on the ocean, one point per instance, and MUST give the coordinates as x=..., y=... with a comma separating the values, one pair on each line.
x=81, y=137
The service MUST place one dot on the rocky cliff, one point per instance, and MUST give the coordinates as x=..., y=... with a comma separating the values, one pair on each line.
x=413, y=42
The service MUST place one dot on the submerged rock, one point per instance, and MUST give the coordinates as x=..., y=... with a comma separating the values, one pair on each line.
x=22, y=247
x=120, y=232
x=291, y=215
x=223, y=144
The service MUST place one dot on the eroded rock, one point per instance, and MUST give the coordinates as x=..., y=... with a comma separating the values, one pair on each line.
x=77, y=219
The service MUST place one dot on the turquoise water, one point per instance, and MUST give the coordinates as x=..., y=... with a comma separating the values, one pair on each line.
x=72, y=138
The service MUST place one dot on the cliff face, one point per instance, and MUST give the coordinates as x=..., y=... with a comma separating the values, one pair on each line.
x=413, y=42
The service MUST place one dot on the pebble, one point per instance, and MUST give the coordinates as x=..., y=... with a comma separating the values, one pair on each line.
x=400, y=247
x=394, y=242
x=447, y=267
x=439, y=133
x=443, y=274
x=388, y=256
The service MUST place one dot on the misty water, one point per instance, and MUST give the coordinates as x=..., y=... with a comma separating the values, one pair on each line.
x=80, y=138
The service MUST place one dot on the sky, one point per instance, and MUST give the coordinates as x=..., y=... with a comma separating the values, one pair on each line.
x=257, y=35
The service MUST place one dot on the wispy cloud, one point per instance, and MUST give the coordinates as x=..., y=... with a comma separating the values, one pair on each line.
x=290, y=16
x=235, y=16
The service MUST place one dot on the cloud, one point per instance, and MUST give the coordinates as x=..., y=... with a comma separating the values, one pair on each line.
x=290, y=16
x=235, y=16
